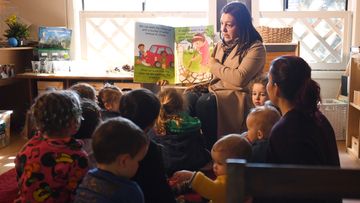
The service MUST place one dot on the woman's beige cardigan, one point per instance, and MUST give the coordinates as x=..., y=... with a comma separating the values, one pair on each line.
x=230, y=86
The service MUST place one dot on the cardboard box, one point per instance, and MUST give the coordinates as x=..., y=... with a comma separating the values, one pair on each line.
x=5, y=127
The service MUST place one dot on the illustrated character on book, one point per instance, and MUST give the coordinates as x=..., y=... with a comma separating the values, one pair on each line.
x=201, y=46
x=142, y=53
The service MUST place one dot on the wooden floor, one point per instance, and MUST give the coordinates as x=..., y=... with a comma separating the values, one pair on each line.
x=8, y=154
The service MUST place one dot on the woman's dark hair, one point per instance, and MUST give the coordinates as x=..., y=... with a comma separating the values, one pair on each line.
x=293, y=76
x=246, y=30
x=141, y=106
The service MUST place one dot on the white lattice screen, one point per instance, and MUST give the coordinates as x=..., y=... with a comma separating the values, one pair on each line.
x=108, y=37
x=324, y=36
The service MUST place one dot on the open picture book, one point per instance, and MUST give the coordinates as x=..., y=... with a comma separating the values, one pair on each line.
x=175, y=54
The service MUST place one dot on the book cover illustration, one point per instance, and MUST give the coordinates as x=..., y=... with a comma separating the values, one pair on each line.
x=154, y=53
x=194, y=46
x=178, y=55
x=54, y=38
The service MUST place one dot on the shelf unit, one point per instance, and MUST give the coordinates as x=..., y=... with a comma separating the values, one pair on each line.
x=274, y=50
x=353, y=130
x=13, y=91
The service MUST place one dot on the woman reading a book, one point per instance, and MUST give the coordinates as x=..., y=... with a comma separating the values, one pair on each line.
x=223, y=106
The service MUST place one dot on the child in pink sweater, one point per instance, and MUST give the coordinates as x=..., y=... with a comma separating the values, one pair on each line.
x=51, y=164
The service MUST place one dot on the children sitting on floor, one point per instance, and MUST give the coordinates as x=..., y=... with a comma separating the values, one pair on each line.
x=109, y=100
x=142, y=107
x=119, y=145
x=179, y=134
x=51, y=164
x=258, y=90
x=229, y=146
x=259, y=122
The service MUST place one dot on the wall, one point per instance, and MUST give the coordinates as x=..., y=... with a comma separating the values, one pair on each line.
x=329, y=82
x=354, y=5
x=41, y=13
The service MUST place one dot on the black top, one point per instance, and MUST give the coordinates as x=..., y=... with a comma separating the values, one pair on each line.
x=259, y=150
x=151, y=177
x=303, y=139
x=105, y=114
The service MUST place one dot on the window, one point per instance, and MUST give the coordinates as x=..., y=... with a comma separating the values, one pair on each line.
x=316, y=5
x=322, y=27
x=303, y=5
x=147, y=5
x=107, y=28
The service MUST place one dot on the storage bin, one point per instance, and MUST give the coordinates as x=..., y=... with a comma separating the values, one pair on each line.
x=5, y=127
x=336, y=112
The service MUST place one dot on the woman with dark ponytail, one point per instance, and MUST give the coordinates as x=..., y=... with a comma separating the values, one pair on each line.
x=303, y=135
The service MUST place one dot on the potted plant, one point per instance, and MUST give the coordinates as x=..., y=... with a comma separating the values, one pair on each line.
x=17, y=31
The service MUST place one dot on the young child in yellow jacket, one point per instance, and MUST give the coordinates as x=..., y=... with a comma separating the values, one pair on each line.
x=229, y=146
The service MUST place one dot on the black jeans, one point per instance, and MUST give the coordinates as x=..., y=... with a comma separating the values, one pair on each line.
x=203, y=106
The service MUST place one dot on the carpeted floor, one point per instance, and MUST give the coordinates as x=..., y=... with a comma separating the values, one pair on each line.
x=8, y=186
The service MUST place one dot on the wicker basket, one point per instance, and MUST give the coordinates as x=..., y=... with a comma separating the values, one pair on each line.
x=275, y=35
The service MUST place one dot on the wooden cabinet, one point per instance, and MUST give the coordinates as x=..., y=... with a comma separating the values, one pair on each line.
x=274, y=50
x=353, y=130
x=13, y=91
x=38, y=82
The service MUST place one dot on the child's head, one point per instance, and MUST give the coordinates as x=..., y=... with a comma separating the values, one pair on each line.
x=109, y=97
x=141, y=47
x=198, y=40
x=140, y=106
x=118, y=146
x=84, y=90
x=172, y=103
x=260, y=121
x=91, y=119
x=163, y=54
x=258, y=91
x=57, y=113
x=231, y=146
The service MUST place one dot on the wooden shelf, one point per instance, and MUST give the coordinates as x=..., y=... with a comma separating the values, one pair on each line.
x=13, y=91
x=355, y=106
x=274, y=50
x=7, y=81
x=15, y=48
x=353, y=120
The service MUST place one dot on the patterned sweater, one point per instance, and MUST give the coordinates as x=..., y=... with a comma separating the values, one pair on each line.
x=49, y=170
